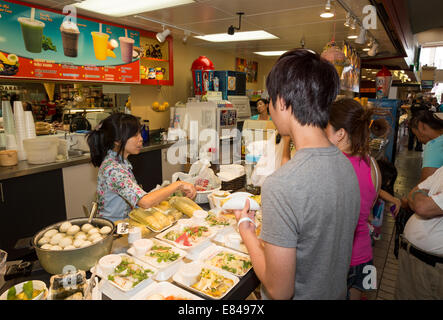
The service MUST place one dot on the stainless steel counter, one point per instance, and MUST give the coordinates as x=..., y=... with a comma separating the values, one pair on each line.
x=23, y=168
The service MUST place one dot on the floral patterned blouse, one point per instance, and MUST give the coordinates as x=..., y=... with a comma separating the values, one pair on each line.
x=117, y=189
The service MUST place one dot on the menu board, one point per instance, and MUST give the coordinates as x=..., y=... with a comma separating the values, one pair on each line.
x=41, y=44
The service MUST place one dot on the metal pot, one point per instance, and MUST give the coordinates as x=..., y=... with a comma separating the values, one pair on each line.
x=81, y=258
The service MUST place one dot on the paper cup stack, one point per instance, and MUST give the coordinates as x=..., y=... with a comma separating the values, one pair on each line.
x=20, y=129
x=8, y=118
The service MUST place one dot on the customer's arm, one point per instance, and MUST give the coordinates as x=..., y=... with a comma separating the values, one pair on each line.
x=273, y=265
x=387, y=197
x=427, y=172
x=424, y=205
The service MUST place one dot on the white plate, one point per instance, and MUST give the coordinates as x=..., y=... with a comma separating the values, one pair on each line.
x=238, y=203
x=212, y=251
x=165, y=289
x=224, y=241
x=162, y=235
x=138, y=262
x=179, y=280
x=153, y=261
x=37, y=284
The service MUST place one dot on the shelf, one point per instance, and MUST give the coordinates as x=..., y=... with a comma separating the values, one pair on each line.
x=154, y=59
x=156, y=82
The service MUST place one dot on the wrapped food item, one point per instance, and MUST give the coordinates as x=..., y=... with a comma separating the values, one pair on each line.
x=336, y=56
x=153, y=219
x=185, y=205
x=69, y=286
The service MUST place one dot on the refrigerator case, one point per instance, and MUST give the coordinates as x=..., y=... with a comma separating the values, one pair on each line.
x=231, y=83
x=243, y=106
x=392, y=106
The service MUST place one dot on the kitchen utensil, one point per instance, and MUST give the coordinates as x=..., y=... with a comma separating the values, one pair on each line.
x=8, y=158
x=93, y=211
x=81, y=258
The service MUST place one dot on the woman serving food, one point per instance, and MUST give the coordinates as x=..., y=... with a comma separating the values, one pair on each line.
x=110, y=144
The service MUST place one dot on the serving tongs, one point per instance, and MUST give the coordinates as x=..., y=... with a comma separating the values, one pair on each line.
x=92, y=213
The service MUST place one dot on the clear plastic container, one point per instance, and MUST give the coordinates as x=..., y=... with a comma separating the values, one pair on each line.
x=41, y=150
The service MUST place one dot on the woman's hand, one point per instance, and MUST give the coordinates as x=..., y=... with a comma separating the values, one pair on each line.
x=245, y=212
x=397, y=203
x=187, y=188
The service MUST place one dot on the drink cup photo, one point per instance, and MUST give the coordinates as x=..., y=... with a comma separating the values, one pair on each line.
x=100, y=41
x=70, y=35
x=32, y=31
x=126, y=47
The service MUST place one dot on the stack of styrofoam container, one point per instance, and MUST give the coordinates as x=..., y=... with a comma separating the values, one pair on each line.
x=20, y=129
x=29, y=125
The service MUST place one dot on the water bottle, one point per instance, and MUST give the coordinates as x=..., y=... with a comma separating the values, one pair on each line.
x=145, y=131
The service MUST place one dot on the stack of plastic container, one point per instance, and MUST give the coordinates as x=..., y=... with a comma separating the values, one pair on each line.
x=20, y=129
x=29, y=125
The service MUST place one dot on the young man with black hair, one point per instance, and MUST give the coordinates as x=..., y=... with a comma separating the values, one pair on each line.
x=311, y=204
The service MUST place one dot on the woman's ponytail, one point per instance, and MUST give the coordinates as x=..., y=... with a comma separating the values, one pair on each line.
x=355, y=120
x=97, y=145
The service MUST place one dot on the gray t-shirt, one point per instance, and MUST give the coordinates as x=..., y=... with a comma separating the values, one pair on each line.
x=312, y=204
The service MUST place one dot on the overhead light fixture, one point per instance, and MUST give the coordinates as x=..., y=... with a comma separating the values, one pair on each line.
x=238, y=36
x=374, y=49
x=366, y=49
x=118, y=8
x=361, y=39
x=348, y=19
x=270, y=53
x=186, y=36
x=352, y=36
x=231, y=29
x=161, y=36
x=353, y=24
x=328, y=12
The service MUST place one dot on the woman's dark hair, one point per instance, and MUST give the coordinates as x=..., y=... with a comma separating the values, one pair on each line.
x=388, y=175
x=355, y=120
x=118, y=127
x=266, y=102
x=307, y=83
x=426, y=117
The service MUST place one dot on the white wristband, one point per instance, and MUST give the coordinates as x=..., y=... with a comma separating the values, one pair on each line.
x=246, y=219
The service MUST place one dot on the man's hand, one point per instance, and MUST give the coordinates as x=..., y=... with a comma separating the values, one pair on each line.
x=245, y=212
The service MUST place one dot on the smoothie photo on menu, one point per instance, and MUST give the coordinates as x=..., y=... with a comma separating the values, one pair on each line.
x=126, y=47
x=70, y=34
x=100, y=42
x=32, y=31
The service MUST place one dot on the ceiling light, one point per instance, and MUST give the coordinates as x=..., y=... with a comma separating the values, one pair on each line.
x=185, y=37
x=352, y=36
x=366, y=49
x=353, y=23
x=327, y=13
x=161, y=36
x=361, y=39
x=373, y=51
x=118, y=8
x=348, y=20
x=238, y=36
x=270, y=53
x=374, y=72
x=363, y=77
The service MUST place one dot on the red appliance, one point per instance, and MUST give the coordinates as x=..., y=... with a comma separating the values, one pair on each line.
x=203, y=74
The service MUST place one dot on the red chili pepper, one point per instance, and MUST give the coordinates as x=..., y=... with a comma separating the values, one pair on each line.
x=184, y=238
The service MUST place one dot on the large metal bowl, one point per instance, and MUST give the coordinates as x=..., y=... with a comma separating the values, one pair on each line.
x=58, y=262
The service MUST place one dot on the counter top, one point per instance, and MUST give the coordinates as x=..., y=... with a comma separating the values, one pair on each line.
x=23, y=168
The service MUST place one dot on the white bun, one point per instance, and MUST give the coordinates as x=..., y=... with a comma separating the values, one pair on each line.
x=50, y=233
x=73, y=230
x=86, y=227
x=65, y=226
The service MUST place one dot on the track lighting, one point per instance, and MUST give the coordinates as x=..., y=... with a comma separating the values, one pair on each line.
x=186, y=35
x=361, y=39
x=348, y=20
x=353, y=23
x=161, y=36
x=373, y=51
x=327, y=13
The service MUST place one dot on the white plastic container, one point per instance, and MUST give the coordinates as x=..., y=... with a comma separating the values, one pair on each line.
x=41, y=150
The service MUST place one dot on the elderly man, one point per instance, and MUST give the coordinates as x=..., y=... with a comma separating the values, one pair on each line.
x=420, y=275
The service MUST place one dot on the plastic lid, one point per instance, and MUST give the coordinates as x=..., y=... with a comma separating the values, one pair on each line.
x=251, y=158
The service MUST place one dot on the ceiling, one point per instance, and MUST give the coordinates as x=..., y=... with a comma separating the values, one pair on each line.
x=425, y=15
x=291, y=21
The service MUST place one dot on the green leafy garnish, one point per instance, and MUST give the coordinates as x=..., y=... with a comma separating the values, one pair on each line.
x=47, y=44
x=12, y=293
x=28, y=289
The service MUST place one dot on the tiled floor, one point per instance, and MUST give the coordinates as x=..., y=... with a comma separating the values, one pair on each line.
x=408, y=164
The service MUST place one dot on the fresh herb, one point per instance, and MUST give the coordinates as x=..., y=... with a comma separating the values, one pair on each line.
x=111, y=278
x=12, y=294
x=246, y=264
x=28, y=289
x=47, y=44
x=232, y=270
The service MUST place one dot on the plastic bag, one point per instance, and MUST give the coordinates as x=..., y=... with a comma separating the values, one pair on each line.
x=200, y=175
x=269, y=162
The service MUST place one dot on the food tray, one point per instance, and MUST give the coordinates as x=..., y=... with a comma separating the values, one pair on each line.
x=153, y=261
x=161, y=236
x=138, y=262
x=217, y=212
x=155, y=230
x=223, y=240
x=180, y=281
x=213, y=250
x=165, y=289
